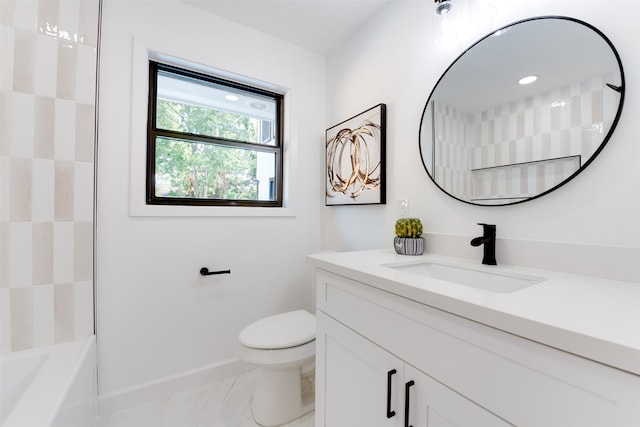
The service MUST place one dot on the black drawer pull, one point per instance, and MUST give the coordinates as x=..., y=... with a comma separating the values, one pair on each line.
x=407, y=386
x=390, y=413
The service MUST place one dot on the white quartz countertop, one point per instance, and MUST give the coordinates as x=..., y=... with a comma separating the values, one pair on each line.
x=595, y=318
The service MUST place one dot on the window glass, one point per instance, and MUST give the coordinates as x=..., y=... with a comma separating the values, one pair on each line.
x=211, y=141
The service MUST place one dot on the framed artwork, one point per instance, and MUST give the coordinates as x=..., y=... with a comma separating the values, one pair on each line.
x=355, y=159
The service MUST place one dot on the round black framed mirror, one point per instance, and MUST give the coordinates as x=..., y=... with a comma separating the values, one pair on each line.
x=487, y=139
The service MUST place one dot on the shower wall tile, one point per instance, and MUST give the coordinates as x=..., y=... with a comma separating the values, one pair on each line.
x=47, y=17
x=63, y=259
x=64, y=134
x=42, y=258
x=63, y=313
x=44, y=127
x=7, y=42
x=21, y=318
x=24, y=58
x=5, y=188
x=85, y=126
x=83, y=251
x=48, y=52
x=83, y=308
x=7, y=8
x=23, y=116
x=43, y=190
x=46, y=60
x=5, y=265
x=26, y=15
x=20, y=254
x=88, y=22
x=20, y=189
x=43, y=315
x=64, y=183
x=85, y=75
x=5, y=320
x=66, y=70
x=83, y=191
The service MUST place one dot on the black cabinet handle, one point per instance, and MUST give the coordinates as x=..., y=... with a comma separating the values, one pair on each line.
x=407, y=386
x=390, y=413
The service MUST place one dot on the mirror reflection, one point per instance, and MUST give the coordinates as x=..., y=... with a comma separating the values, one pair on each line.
x=522, y=111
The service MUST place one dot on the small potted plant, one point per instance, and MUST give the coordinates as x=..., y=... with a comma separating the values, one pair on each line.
x=408, y=240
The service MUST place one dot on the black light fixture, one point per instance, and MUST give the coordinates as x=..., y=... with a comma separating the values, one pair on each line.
x=443, y=7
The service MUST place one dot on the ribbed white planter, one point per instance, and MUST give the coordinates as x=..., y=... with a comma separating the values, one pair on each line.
x=409, y=245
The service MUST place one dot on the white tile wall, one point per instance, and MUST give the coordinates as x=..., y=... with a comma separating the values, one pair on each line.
x=47, y=94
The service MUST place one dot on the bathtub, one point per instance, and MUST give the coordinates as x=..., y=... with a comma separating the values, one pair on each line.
x=50, y=387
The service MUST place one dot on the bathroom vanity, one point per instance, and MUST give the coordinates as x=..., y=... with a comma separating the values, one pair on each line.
x=436, y=341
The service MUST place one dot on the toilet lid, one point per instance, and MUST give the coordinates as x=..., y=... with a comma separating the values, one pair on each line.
x=280, y=331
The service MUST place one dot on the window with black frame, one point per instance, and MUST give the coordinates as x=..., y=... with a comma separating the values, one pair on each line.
x=211, y=141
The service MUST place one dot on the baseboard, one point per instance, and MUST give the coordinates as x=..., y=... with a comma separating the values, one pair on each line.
x=146, y=392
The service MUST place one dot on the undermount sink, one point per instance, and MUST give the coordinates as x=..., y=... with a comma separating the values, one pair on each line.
x=480, y=278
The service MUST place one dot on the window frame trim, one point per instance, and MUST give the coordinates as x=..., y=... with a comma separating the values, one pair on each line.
x=153, y=132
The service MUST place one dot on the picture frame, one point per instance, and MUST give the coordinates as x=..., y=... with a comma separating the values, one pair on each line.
x=355, y=169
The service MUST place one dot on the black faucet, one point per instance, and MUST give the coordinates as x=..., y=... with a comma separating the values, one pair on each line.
x=488, y=239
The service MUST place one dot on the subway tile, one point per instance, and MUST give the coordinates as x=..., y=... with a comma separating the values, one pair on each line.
x=21, y=308
x=46, y=65
x=7, y=10
x=69, y=20
x=83, y=191
x=6, y=114
x=22, y=115
x=88, y=25
x=20, y=189
x=7, y=43
x=5, y=188
x=26, y=15
x=5, y=319
x=42, y=253
x=83, y=308
x=43, y=190
x=64, y=133
x=24, y=58
x=47, y=17
x=66, y=69
x=43, y=145
x=63, y=254
x=5, y=253
x=83, y=251
x=43, y=325
x=85, y=132
x=85, y=74
x=597, y=106
x=63, y=312
x=20, y=254
x=64, y=184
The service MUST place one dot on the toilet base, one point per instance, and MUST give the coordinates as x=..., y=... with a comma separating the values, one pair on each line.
x=282, y=395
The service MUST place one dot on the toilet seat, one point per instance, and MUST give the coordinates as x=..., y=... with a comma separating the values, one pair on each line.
x=281, y=331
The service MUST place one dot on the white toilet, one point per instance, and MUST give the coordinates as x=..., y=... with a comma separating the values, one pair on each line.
x=284, y=347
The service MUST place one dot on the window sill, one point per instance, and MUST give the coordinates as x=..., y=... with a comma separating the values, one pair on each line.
x=209, y=211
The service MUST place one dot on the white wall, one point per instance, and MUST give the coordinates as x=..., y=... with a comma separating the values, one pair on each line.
x=157, y=316
x=397, y=59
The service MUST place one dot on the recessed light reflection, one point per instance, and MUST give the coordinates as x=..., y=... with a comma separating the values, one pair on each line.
x=528, y=79
x=231, y=98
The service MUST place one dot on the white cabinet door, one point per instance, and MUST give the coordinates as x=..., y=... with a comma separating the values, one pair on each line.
x=360, y=382
x=432, y=404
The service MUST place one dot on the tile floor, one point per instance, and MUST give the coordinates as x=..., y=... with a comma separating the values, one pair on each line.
x=225, y=403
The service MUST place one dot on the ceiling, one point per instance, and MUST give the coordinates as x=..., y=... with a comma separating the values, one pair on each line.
x=317, y=25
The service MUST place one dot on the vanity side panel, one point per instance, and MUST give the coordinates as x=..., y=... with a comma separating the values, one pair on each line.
x=524, y=382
